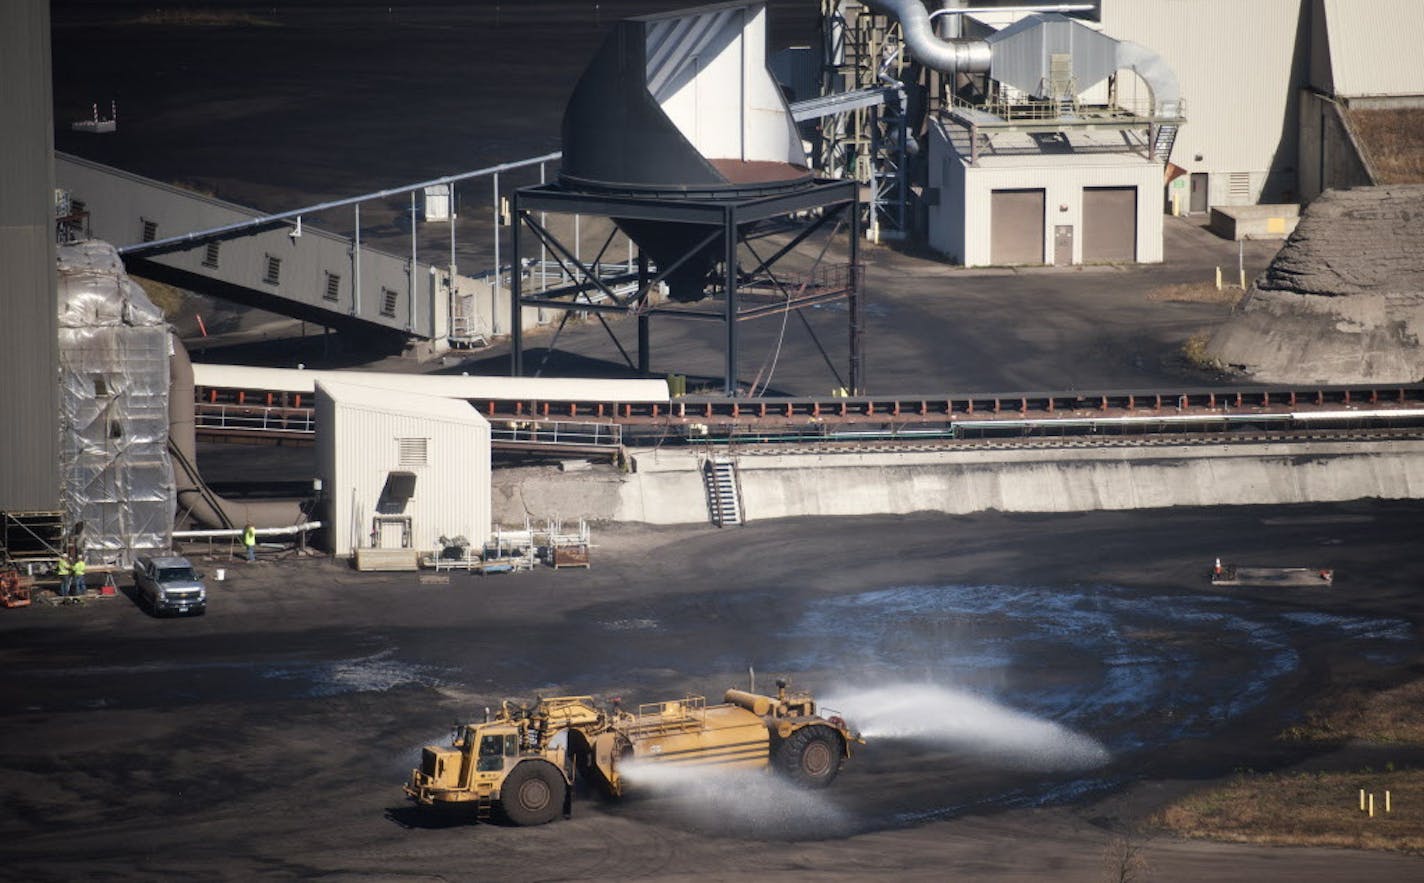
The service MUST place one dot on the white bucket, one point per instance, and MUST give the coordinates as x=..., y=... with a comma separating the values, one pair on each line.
x=219, y=574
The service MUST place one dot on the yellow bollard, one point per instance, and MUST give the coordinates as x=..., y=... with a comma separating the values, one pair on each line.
x=1386, y=802
x=1362, y=800
x=1372, y=806
x=1218, y=278
x=1243, y=280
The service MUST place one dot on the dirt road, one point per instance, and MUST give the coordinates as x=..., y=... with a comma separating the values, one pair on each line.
x=1030, y=687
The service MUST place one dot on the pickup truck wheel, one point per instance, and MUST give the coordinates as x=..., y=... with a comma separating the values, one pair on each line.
x=811, y=756
x=533, y=794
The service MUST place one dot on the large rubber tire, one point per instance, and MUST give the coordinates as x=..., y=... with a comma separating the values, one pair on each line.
x=811, y=756
x=533, y=794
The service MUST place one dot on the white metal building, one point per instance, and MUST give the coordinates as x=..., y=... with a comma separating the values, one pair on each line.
x=1046, y=165
x=1044, y=207
x=401, y=469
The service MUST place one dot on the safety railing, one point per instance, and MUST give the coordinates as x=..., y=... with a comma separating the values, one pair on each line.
x=254, y=418
x=557, y=433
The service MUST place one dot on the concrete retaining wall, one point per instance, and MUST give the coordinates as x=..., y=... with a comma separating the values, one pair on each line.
x=666, y=487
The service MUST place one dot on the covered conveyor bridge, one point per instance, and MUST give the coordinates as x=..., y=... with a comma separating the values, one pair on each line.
x=261, y=261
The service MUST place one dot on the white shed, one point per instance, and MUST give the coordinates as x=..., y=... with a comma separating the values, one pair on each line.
x=400, y=468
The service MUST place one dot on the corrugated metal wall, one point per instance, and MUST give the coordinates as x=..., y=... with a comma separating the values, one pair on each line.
x=358, y=447
x=29, y=348
x=1374, y=46
x=1022, y=53
x=1240, y=66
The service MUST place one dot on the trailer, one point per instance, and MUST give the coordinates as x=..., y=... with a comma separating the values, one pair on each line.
x=1271, y=577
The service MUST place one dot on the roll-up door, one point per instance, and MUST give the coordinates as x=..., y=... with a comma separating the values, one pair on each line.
x=1109, y=224
x=1016, y=227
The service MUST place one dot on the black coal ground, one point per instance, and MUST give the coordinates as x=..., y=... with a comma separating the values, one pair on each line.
x=270, y=737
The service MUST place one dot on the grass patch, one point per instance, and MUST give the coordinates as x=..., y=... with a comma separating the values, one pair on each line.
x=1389, y=717
x=1394, y=141
x=1305, y=809
x=1194, y=350
x=201, y=18
x=1195, y=293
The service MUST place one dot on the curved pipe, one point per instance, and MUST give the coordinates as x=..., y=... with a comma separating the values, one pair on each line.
x=949, y=56
x=1156, y=73
x=206, y=507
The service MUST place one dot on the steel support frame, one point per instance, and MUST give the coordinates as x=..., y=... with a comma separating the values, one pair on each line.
x=727, y=220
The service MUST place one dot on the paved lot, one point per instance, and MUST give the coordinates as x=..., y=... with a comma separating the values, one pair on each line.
x=933, y=328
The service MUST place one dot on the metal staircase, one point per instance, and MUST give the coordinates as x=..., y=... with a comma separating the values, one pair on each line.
x=724, y=490
x=1163, y=140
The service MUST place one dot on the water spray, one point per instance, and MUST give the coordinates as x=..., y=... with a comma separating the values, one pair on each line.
x=956, y=719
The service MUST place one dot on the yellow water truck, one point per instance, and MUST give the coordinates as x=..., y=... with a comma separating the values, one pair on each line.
x=521, y=764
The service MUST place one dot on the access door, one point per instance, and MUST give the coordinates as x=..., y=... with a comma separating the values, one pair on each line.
x=1198, y=203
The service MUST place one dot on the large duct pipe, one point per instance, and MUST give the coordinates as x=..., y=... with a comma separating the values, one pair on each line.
x=949, y=56
x=203, y=505
x=1156, y=73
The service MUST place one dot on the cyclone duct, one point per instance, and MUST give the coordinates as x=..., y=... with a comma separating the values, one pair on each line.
x=678, y=133
x=682, y=105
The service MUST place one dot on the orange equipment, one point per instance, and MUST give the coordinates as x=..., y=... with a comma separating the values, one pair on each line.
x=14, y=588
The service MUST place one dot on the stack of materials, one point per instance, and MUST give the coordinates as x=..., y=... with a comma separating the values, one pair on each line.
x=1343, y=301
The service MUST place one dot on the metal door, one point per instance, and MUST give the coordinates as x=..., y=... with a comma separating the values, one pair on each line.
x=1016, y=227
x=1198, y=203
x=1109, y=224
x=1063, y=245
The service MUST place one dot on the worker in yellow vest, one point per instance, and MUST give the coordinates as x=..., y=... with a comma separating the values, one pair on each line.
x=249, y=539
x=78, y=587
x=66, y=576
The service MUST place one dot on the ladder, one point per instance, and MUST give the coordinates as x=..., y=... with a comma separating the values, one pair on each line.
x=724, y=492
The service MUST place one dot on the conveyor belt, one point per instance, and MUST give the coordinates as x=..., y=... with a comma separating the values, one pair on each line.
x=870, y=420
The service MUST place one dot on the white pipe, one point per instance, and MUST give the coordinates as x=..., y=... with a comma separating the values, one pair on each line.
x=260, y=531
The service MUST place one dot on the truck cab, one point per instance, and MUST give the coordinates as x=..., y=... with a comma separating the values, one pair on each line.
x=520, y=764
x=169, y=584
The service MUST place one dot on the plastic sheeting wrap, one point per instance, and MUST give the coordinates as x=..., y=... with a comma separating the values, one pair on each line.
x=113, y=364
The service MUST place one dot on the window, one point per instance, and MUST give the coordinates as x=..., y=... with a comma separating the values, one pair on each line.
x=490, y=758
x=210, y=255
x=274, y=270
x=150, y=230
x=389, y=299
x=333, y=287
x=413, y=452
